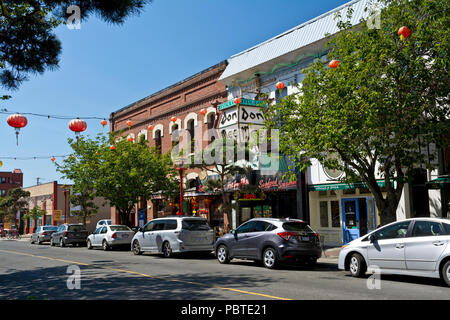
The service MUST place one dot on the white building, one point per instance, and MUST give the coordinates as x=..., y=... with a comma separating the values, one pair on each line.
x=336, y=210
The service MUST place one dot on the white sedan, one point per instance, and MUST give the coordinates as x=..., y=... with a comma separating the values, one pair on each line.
x=109, y=236
x=416, y=247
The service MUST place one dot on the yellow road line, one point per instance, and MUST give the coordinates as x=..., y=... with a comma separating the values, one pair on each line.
x=150, y=276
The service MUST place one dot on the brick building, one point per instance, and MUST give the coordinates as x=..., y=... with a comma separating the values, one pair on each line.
x=193, y=101
x=8, y=181
x=53, y=198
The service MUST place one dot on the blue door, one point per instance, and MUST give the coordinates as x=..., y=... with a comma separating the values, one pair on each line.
x=358, y=217
x=350, y=219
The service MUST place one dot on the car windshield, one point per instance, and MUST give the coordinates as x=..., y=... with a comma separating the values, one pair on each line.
x=77, y=228
x=195, y=225
x=51, y=228
x=296, y=226
x=119, y=228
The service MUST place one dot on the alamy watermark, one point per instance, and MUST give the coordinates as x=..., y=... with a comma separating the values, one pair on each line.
x=74, y=20
x=374, y=281
x=374, y=19
x=74, y=279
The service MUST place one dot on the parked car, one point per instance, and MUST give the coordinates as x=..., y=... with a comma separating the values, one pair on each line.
x=42, y=234
x=174, y=234
x=104, y=222
x=110, y=236
x=271, y=241
x=74, y=234
x=416, y=247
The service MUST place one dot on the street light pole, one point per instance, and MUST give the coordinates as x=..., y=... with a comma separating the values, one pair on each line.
x=65, y=191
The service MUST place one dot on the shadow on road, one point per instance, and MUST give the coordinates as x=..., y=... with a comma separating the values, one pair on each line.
x=100, y=284
x=409, y=279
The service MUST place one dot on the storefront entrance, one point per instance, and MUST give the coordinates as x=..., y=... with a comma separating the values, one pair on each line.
x=358, y=217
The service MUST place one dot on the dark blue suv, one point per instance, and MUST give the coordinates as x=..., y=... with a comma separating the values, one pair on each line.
x=270, y=241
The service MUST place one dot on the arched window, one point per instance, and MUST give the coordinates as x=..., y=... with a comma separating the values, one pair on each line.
x=158, y=141
x=191, y=130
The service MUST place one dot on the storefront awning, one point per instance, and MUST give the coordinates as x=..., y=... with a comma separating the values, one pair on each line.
x=439, y=182
x=341, y=186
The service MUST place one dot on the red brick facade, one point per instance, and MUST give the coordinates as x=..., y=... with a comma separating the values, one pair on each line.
x=184, y=100
x=10, y=180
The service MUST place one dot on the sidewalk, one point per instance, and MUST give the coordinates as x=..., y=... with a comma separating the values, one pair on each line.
x=330, y=255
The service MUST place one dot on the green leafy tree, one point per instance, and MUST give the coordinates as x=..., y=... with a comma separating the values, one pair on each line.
x=15, y=201
x=28, y=44
x=382, y=107
x=225, y=158
x=84, y=200
x=34, y=214
x=129, y=173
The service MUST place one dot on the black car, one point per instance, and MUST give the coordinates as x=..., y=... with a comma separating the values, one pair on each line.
x=271, y=241
x=74, y=234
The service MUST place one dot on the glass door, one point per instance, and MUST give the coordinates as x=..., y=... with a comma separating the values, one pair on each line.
x=350, y=219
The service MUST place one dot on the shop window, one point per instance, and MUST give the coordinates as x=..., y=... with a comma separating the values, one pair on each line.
x=324, y=214
x=335, y=217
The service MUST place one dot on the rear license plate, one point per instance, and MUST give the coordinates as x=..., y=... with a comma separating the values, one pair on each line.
x=124, y=236
x=305, y=238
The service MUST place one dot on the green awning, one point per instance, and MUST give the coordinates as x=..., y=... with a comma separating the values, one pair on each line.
x=438, y=182
x=341, y=186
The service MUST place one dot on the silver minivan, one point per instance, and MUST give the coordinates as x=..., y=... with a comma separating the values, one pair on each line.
x=174, y=234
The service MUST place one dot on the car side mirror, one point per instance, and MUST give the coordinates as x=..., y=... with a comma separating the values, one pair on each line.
x=373, y=238
x=141, y=229
x=234, y=232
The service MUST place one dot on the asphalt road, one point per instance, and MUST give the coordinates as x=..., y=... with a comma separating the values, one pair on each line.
x=40, y=272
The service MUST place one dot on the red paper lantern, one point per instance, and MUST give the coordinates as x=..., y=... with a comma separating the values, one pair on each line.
x=334, y=64
x=151, y=127
x=17, y=121
x=404, y=32
x=104, y=123
x=130, y=139
x=77, y=125
x=237, y=101
x=173, y=119
x=112, y=147
x=53, y=159
x=280, y=85
x=203, y=111
x=129, y=123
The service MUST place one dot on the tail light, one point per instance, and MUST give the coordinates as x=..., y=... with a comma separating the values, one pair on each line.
x=114, y=236
x=287, y=235
x=65, y=233
x=317, y=236
x=44, y=233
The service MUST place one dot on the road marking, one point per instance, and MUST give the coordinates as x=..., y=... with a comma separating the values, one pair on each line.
x=149, y=276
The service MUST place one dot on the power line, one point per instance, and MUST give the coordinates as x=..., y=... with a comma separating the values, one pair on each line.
x=33, y=158
x=48, y=116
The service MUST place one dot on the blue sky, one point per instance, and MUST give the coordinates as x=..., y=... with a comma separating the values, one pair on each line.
x=105, y=67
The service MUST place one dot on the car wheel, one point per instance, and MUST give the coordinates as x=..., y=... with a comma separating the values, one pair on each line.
x=223, y=256
x=166, y=249
x=31, y=240
x=39, y=241
x=136, y=248
x=61, y=243
x=105, y=245
x=270, y=259
x=445, y=273
x=357, y=265
x=52, y=244
x=89, y=245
